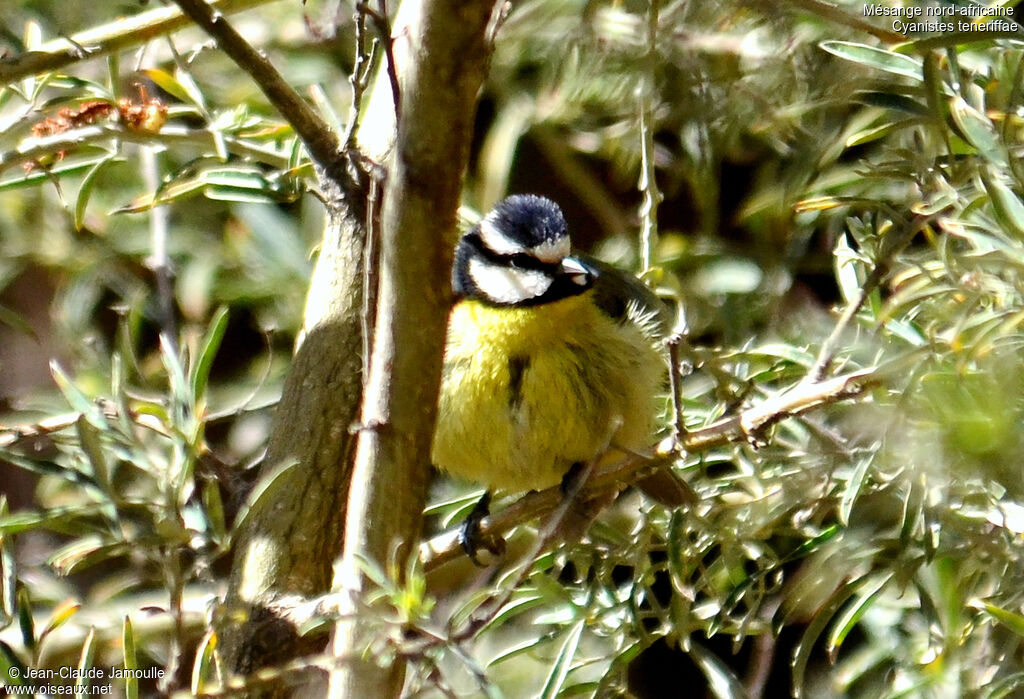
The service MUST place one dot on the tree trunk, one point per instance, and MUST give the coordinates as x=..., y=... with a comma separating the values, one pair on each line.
x=445, y=42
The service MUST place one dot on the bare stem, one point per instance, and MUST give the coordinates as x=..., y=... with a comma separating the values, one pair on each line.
x=159, y=260
x=895, y=241
x=648, y=184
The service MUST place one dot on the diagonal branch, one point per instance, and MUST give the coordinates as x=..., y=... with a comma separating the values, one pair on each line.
x=106, y=39
x=747, y=425
x=321, y=142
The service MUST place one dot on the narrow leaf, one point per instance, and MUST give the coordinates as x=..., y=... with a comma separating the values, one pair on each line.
x=200, y=369
x=978, y=130
x=131, y=684
x=563, y=662
x=874, y=57
x=85, y=660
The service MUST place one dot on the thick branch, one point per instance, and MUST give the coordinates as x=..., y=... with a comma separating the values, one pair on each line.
x=445, y=42
x=100, y=41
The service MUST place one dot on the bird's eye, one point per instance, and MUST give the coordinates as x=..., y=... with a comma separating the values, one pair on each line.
x=520, y=260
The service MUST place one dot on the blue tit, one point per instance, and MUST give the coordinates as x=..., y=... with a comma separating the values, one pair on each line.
x=552, y=359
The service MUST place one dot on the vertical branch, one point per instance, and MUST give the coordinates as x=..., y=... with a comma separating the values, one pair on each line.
x=293, y=530
x=159, y=260
x=383, y=26
x=445, y=42
x=359, y=78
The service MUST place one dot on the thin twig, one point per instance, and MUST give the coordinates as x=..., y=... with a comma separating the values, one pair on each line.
x=676, y=384
x=159, y=260
x=379, y=17
x=833, y=13
x=321, y=142
x=122, y=33
x=894, y=242
x=34, y=150
x=359, y=78
x=648, y=184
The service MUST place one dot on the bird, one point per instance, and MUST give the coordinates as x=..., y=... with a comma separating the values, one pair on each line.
x=552, y=359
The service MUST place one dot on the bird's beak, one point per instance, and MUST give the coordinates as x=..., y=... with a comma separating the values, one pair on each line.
x=577, y=271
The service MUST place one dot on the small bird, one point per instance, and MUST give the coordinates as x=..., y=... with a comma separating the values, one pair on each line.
x=551, y=358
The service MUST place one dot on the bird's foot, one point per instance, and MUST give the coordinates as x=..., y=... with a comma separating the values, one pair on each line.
x=472, y=539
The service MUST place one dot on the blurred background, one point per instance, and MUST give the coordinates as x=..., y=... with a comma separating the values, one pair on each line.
x=866, y=549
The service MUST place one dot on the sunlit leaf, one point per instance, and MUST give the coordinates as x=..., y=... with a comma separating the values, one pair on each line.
x=563, y=662
x=131, y=683
x=874, y=57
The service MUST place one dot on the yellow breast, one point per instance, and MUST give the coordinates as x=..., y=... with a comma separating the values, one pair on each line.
x=529, y=391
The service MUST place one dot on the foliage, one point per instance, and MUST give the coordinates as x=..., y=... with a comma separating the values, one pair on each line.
x=869, y=548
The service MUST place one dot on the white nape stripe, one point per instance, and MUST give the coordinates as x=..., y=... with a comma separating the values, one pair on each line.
x=551, y=251
x=495, y=240
x=507, y=284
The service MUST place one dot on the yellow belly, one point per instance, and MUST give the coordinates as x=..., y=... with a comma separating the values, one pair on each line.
x=527, y=392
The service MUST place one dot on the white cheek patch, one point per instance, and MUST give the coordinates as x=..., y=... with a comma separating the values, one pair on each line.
x=508, y=284
x=551, y=251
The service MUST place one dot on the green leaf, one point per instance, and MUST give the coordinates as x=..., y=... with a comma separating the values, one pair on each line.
x=85, y=190
x=89, y=437
x=68, y=519
x=563, y=661
x=47, y=468
x=847, y=263
x=892, y=100
x=845, y=622
x=1011, y=620
x=84, y=552
x=814, y=629
x=26, y=623
x=168, y=83
x=978, y=130
x=204, y=670
x=853, y=488
x=265, y=487
x=1005, y=203
x=78, y=401
x=85, y=660
x=239, y=194
x=214, y=506
x=877, y=132
x=721, y=680
x=874, y=57
x=62, y=613
x=199, y=372
x=514, y=608
x=131, y=684
x=9, y=660
x=181, y=392
x=8, y=573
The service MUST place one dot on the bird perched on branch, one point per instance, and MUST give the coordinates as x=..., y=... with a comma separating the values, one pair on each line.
x=552, y=359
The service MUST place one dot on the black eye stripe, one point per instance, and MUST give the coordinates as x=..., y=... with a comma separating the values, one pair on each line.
x=520, y=260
